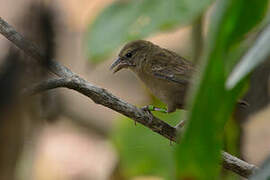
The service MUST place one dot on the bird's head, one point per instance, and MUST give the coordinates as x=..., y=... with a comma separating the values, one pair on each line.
x=131, y=55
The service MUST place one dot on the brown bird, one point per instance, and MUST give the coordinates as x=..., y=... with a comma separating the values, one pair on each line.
x=164, y=72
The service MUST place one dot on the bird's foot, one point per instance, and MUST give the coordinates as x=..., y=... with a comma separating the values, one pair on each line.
x=148, y=109
x=153, y=108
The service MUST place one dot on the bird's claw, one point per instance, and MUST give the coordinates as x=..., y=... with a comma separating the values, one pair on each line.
x=148, y=110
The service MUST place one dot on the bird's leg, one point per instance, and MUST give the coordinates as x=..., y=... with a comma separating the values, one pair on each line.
x=150, y=108
x=153, y=108
x=146, y=109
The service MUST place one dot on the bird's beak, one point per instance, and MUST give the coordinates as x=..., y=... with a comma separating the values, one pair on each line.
x=119, y=64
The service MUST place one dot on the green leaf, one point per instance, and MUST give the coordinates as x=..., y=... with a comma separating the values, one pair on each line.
x=256, y=55
x=250, y=26
x=143, y=152
x=128, y=20
x=198, y=155
x=244, y=9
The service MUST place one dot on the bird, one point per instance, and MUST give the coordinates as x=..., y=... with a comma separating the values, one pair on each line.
x=164, y=72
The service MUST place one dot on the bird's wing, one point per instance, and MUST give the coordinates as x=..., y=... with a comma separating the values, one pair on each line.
x=170, y=66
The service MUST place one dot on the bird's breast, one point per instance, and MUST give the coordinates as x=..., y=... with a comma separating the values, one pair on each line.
x=166, y=91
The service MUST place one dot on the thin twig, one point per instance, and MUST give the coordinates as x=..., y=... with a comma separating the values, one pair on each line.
x=70, y=80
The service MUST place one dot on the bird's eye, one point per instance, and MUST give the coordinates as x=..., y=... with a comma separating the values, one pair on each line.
x=128, y=55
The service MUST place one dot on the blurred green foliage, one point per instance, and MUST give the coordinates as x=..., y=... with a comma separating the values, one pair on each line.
x=231, y=137
x=123, y=21
x=244, y=15
x=256, y=55
x=143, y=152
x=211, y=104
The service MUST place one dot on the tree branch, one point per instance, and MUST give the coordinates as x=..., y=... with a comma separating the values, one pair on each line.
x=70, y=80
x=237, y=165
x=103, y=97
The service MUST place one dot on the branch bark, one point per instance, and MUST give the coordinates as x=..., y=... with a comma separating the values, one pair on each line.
x=101, y=96
x=237, y=165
